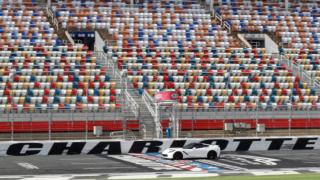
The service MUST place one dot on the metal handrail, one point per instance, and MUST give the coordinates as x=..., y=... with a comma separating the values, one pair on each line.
x=222, y=49
x=149, y=102
x=133, y=105
x=129, y=135
x=154, y=110
x=227, y=26
x=110, y=64
x=70, y=38
x=297, y=70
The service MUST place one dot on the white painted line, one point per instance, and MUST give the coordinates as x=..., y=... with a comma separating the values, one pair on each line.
x=234, y=162
x=317, y=170
x=167, y=175
x=144, y=162
x=194, y=175
x=54, y=176
x=48, y=178
x=80, y=159
x=222, y=165
x=93, y=163
x=253, y=160
x=92, y=168
x=267, y=173
x=312, y=162
x=135, y=177
x=27, y=165
x=10, y=177
x=276, y=155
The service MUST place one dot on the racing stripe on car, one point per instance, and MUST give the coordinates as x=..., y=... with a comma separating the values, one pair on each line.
x=185, y=152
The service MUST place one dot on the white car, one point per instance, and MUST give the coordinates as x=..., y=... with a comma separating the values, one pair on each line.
x=193, y=150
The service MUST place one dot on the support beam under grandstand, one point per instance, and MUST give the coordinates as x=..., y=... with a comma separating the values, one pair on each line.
x=287, y=5
x=49, y=3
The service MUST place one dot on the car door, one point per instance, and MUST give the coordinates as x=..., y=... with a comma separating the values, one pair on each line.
x=190, y=152
x=201, y=151
x=197, y=151
x=187, y=153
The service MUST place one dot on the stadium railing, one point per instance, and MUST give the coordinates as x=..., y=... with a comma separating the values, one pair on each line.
x=67, y=124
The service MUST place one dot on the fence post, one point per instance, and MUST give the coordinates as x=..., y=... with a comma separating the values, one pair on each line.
x=11, y=124
x=256, y=117
x=87, y=114
x=193, y=119
x=289, y=121
x=309, y=120
x=72, y=120
x=49, y=124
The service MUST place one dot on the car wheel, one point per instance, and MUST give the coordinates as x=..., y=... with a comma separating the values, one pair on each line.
x=177, y=156
x=212, y=155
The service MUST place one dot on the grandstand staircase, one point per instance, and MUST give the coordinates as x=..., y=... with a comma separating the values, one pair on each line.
x=52, y=19
x=131, y=99
x=42, y=3
x=106, y=36
x=146, y=120
x=240, y=43
x=132, y=105
x=127, y=115
x=275, y=38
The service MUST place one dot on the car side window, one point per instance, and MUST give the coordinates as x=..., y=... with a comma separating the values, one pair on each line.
x=189, y=146
x=198, y=146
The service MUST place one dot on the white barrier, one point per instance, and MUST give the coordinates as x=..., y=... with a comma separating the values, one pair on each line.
x=98, y=41
x=141, y=146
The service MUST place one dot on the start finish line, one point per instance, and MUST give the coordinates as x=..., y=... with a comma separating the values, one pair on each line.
x=27, y=148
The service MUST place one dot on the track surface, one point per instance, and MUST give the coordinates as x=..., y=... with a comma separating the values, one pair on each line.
x=103, y=166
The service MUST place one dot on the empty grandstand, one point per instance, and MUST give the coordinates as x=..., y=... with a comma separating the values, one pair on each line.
x=72, y=65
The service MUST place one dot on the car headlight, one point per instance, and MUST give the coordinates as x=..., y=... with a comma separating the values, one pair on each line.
x=169, y=151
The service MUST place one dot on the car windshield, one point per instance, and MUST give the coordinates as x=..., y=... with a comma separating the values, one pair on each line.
x=189, y=146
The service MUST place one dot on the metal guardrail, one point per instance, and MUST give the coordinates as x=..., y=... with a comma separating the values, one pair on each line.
x=51, y=123
x=218, y=17
x=149, y=102
x=153, y=109
x=297, y=70
x=53, y=19
x=128, y=135
x=109, y=63
x=70, y=38
x=227, y=26
x=223, y=23
x=133, y=105
x=76, y=124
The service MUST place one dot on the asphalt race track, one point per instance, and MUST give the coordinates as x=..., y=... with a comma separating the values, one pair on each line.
x=151, y=165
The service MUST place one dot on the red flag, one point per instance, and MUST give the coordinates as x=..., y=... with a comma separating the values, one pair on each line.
x=165, y=96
